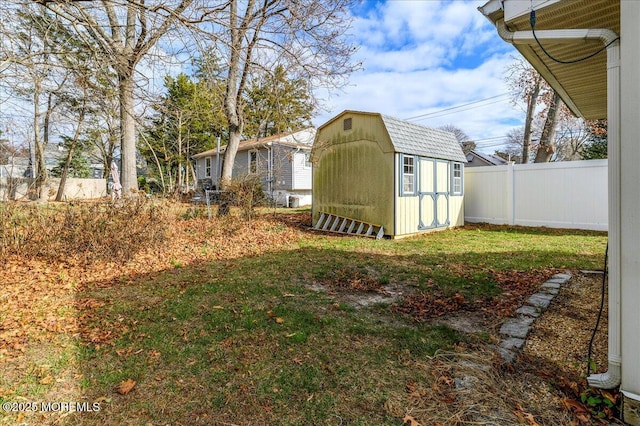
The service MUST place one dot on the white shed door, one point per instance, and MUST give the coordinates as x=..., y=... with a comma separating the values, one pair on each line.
x=433, y=191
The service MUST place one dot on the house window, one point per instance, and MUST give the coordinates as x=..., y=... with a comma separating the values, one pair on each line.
x=207, y=167
x=346, y=124
x=253, y=161
x=457, y=178
x=408, y=175
x=307, y=160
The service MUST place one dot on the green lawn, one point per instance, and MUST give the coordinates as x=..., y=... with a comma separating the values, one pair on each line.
x=279, y=338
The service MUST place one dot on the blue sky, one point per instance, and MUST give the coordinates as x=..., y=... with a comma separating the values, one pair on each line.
x=422, y=57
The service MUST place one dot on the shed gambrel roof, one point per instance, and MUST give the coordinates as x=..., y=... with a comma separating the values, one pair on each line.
x=411, y=138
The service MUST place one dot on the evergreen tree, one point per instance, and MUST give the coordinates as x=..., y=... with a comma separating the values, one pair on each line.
x=185, y=123
x=275, y=104
x=78, y=163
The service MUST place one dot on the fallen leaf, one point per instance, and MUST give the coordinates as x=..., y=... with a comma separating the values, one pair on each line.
x=126, y=386
x=609, y=396
x=46, y=380
x=279, y=320
x=412, y=421
x=574, y=405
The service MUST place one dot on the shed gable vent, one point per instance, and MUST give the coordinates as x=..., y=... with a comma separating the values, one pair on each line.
x=347, y=124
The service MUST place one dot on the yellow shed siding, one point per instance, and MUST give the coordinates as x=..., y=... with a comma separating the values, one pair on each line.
x=353, y=173
x=407, y=215
x=456, y=209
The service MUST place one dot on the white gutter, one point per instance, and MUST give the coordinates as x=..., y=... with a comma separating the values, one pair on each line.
x=612, y=377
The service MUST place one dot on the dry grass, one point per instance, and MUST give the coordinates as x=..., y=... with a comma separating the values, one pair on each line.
x=83, y=232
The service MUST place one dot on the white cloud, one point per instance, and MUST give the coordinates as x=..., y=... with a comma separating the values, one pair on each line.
x=420, y=57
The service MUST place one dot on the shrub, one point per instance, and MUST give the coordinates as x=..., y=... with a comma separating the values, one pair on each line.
x=245, y=193
x=82, y=231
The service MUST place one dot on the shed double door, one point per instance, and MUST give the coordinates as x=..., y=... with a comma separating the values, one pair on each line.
x=433, y=191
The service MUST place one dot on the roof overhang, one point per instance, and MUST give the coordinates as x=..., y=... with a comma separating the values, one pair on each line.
x=582, y=85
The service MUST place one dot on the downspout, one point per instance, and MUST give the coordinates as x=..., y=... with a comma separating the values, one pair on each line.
x=612, y=377
x=293, y=168
x=218, y=168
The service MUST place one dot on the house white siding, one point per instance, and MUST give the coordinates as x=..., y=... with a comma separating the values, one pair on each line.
x=301, y=171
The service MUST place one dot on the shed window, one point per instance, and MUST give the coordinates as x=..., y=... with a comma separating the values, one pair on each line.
x=346, y=124
x=207, y=167
x=408, y=175
x=457, y=178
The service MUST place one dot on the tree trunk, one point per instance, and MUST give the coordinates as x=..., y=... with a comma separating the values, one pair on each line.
x=531, y=106
x=65, y=171
x=547, y=147
x=39, y=165
x=128, y=175
x=227, y=168
x=232, y=98
x=72, y=148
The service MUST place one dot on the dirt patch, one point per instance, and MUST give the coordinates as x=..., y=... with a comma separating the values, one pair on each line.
x=364, y=298
x=467, y=322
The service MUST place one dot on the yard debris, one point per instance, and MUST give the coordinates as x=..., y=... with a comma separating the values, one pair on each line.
x=126, y=386
x=409, y=419
x=424, y=306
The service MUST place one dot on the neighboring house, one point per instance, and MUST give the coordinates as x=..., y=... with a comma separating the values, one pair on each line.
x=281, y=161
x=478, y=159
x=14, y=167
x=606, y=85
x=393, y=177
x=54, y=155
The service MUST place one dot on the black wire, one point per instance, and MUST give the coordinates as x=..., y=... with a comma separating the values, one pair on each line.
x=532, y=21
x=595, y=329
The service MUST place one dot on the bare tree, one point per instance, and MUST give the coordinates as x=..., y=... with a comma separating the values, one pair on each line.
x=572, y=137
x=122, y=32
x=547, y=146
x=513, y=147
x=463, y=139
x=36, y=77
x=305, y=36
x=527, y=85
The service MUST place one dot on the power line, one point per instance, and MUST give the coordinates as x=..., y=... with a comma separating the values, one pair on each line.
x=437, y=113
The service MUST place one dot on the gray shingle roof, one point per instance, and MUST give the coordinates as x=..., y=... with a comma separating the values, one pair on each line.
x=491, y=159
x=411, y=138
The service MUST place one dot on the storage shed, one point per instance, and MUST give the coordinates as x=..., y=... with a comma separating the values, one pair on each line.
x=377, y=175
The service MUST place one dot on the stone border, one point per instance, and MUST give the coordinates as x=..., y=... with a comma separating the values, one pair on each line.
x=514, y=331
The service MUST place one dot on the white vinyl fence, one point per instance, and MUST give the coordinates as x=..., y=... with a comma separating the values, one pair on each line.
x=570, y=194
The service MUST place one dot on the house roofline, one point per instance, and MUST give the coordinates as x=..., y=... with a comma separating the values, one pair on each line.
x=259, y=143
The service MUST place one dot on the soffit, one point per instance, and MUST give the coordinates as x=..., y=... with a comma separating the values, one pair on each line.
x=582, y=85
